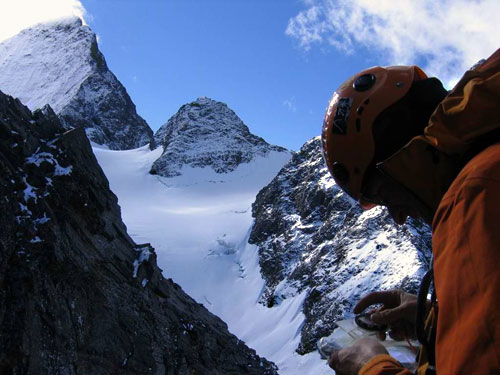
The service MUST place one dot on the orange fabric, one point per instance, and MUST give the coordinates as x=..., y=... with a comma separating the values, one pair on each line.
x=471, y=111
x=383, y=364
x=466, y=245
x=468, y=112
x=466, y=226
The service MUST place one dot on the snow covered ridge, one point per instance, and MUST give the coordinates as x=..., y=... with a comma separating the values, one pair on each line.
x=313, y=237
x=60, y=64
x=206, y=133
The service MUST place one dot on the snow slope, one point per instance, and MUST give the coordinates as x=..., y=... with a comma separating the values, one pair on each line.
x=313, y=236
x=59, y=64
x=199, y=224
x=41, y=65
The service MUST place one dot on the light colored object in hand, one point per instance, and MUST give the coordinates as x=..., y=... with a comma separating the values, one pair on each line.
x=347, y=332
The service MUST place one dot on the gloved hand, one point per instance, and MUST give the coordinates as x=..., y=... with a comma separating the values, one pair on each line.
x=350, y=360
x=398, y=311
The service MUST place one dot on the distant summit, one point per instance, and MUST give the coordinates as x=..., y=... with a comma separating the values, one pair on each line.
x=60, y=64
x=206, y=133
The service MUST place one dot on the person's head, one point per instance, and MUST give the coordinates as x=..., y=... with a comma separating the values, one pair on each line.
x=369, y=118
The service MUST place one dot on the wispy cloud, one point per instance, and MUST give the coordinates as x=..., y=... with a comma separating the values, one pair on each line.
x=290, y=104
x=16, y=15
x=448, y=36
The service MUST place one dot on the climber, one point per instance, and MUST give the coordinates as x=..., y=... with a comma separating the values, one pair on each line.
x=396, y=138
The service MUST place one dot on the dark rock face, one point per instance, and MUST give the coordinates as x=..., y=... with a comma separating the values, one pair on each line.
x=109, y=116
x=313, y=238
x=206, y=133
x=60, y=64
x=77, y=295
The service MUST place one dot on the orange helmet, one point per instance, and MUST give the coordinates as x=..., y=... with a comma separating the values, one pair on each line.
x=347, y=137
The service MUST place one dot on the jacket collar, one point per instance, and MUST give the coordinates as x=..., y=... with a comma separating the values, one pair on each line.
x=457, y=130
x=423, y=170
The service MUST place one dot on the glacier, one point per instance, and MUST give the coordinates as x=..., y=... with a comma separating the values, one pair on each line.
x=199, y=223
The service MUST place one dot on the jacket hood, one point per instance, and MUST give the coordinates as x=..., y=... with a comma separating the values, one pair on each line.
x=464, y=123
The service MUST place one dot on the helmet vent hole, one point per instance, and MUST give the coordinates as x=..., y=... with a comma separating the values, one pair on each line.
x=367, y=101
x=358, y=125
x=360, y=110
x=340, y=173
x=364, y=82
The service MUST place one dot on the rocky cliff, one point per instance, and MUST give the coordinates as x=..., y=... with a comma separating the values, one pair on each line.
x=77, y=295
x=206, y=133
x=60, y=64
x=313, y=237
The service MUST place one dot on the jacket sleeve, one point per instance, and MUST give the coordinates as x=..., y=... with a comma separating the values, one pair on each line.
x=466, y=245
x=383, y=364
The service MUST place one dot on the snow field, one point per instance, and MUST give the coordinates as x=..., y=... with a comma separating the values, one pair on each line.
x=199, y=224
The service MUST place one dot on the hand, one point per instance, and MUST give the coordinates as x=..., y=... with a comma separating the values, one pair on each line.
x=398, y=310
x=350, y=360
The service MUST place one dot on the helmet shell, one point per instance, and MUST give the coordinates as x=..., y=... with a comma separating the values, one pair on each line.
x=347, y=136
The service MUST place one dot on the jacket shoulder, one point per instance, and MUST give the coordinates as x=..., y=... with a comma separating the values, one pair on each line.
x=481, y=172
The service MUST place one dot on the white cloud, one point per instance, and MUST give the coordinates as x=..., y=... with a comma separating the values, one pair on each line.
x=16, y=15
x=290, y=104
x=449, y=36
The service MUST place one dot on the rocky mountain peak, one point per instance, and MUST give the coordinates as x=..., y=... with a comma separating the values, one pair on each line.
x=78, y=295
x=314, y=238
x=204, y=100
x=59, y=64
x=207, y=133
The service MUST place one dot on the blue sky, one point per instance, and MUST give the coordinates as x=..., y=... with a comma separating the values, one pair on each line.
x=237, y=52
x=274, y=62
